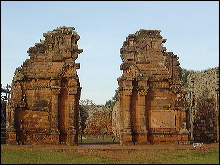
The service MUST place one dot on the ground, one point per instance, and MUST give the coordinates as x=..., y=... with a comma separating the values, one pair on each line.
x=123, y=154
x=107, y=146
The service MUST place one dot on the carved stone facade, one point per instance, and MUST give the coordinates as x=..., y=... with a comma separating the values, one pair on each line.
x=150, y=97
x=45, y=93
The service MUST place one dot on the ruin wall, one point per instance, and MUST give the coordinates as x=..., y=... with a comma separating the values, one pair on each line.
x=45, y=92
x=151, y=102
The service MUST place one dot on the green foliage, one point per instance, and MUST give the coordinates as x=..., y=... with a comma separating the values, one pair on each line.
x=83, y=112
x=184, y=74
x=111, y=103
x=86, y=102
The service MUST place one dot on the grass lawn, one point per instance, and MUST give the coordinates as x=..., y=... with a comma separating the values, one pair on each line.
x=118, y=156
x=44, y=157
x=75, y=156
x=184, y=157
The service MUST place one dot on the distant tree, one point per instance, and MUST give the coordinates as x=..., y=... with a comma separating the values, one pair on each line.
x=205, y=118
x=99, y=124
x=86, y=102
x=184, y=74
x=111, y=103
x=84, y=106
x=115, y=97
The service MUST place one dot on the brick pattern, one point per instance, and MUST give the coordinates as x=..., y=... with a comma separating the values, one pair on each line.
x=150, y=97
x=45, y=92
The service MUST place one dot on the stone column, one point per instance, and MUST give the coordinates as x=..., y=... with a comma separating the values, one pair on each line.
x=183, y=133
x=10, y=123
x=54, y=130
x=72, y=133
x=13, y=107
x=126, y=134
x=141, y=118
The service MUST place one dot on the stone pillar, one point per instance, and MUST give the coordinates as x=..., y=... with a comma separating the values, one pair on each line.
x=141, y=118
x=54, y=130
x=72, y=133
x=183, y=133
x=126, y=134
x=10, y=123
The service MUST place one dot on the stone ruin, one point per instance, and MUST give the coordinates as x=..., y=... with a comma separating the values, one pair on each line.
x=151, y=104
x=45, y=93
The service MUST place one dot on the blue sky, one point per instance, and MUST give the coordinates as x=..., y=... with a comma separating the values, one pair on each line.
x=190, y=27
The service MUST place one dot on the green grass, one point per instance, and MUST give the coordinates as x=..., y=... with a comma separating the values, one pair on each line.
x=45, y=157
x=72, y=156
x=183, y=157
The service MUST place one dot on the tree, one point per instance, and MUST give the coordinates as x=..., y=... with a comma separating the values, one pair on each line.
x=205, y=118
x=184, y=74
x=86, y=102
x=83, y=113
x=111, y=103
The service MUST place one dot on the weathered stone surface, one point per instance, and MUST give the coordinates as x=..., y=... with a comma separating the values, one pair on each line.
x=45, y=93
x=116, y=120
x=150, y=96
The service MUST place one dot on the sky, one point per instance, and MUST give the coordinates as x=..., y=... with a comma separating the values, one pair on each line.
x=190, y=27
